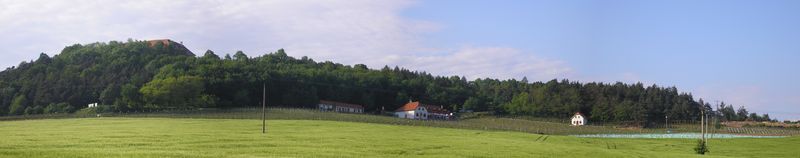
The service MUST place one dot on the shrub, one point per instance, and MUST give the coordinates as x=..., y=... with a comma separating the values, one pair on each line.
x=58, y=108
x=34, y=110
x=701, y=147
x=86, y=111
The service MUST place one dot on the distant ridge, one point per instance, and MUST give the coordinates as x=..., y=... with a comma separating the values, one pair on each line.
x=164, y=74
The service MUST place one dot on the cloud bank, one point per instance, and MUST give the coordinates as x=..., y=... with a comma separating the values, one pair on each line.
x=754, y=97
x=493, y=62
x=353, y=31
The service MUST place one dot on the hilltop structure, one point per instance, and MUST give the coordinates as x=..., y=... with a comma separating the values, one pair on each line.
x=167, y=43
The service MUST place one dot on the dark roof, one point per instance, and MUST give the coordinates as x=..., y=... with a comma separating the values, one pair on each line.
x=334, y=103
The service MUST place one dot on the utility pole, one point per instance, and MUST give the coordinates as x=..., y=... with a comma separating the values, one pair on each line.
x=666, y=122
x=705, y=128
x=702, y=124
x=264, y=109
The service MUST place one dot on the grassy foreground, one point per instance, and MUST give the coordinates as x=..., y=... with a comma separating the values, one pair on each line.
x=174, y=137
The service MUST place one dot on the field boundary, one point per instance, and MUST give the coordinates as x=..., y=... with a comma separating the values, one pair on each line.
x=488, y=123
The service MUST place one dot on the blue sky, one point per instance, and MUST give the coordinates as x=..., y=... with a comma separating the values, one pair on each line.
x=743, y=52
x=740, y=52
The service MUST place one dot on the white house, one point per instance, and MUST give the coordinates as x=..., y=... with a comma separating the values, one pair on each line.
x=325, y=105
x=578, y=119
x=416, y=110
x=93, y=105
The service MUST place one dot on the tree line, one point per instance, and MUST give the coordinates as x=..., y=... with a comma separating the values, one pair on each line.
x=137, y=75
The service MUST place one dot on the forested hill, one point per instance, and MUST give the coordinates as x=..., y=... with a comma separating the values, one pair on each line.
x=138, y=75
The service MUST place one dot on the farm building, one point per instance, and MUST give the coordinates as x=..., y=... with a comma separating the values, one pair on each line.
x=578, y=119
x=416, y=110
x=325, y=105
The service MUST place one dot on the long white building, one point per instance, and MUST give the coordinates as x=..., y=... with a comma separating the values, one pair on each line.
x=416, y=110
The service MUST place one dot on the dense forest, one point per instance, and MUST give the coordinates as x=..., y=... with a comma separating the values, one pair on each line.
x=146, y=75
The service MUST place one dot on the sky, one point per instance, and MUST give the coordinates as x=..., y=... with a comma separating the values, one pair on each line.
x=741, y=52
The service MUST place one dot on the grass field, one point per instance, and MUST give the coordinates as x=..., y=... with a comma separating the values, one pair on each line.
x=179, y=137
x=528, y=125
x=486, y=123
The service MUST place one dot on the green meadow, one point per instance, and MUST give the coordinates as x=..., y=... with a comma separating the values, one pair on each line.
x=184, y=137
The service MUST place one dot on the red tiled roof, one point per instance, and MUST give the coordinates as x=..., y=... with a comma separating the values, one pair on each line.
x=411, y=106
x=578, y=113
x=334, y=103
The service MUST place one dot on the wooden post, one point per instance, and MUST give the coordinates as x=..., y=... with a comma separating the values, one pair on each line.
x=702, y=124
x=705, y=129
x=264, y=109
x=666, y=123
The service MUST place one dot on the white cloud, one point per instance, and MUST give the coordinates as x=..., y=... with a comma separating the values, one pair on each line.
x=754, y=98
x=350, y=32
x=494, y=62
x=749, y=96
